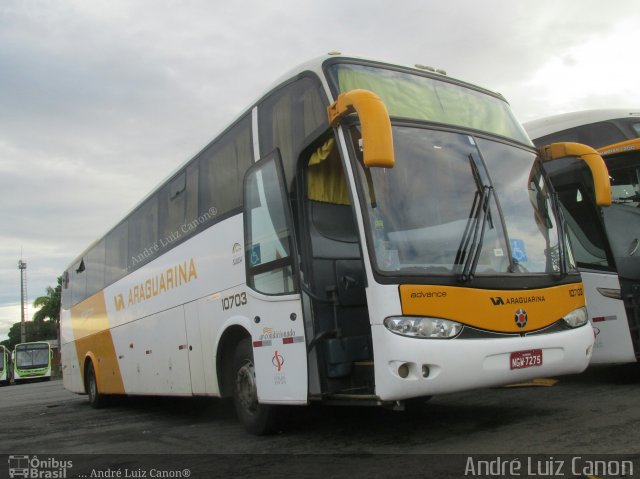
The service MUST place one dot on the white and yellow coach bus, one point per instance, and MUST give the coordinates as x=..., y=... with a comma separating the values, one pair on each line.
x=605, y=242
x=365, y=233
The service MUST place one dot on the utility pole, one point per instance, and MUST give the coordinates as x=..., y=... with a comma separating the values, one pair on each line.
x=22, y=266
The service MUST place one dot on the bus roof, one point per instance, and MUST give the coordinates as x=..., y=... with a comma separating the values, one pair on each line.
x=551, y=124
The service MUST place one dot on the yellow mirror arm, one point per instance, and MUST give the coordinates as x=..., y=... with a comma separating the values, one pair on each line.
x=377, y=139
x=594, y=161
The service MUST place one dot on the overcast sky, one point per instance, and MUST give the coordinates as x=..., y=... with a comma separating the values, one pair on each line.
x=100, y=100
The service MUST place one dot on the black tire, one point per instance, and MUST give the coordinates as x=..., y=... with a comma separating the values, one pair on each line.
x=96, y=399
x=258, y=419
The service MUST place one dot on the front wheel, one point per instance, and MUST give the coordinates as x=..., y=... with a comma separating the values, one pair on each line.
x=257, y=418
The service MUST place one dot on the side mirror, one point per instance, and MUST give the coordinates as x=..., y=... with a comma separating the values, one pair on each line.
x=377, y=139
x=594, y=161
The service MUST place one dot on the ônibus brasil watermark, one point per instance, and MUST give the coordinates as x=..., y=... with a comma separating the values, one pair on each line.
x=35, y=467
x=29, y=467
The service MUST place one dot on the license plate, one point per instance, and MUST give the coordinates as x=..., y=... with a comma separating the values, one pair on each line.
x=526, y=359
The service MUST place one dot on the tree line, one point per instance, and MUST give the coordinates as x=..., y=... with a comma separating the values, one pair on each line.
x=44, y=324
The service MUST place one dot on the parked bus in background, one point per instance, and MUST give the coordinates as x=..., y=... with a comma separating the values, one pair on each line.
x=5, y=366
x=364, y=233
x=32, y=361
x=605, y=240
x=596, y=128
x=622, y=226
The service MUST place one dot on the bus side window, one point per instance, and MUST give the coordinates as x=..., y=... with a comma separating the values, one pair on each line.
x=78, y=282
x=289, y=118
x=116, y=253
x=143, y=235
x=172, y=206
x=65, y=296
x=94, y=263
x=222, y=166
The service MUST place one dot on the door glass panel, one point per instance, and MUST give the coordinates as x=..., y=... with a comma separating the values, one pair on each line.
x=267, y=229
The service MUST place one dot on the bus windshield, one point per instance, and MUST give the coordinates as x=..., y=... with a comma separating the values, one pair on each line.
x=625, y=181
x=424, y=98
x=444, y=206
x=32, y=356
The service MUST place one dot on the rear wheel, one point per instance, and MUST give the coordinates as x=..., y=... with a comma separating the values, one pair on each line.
x=96, y=399
x=257, y=418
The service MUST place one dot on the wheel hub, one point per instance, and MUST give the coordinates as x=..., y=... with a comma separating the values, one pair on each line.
x=246, y=389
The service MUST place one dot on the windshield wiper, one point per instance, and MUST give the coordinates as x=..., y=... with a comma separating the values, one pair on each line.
x=471, y=244
x=562, y=254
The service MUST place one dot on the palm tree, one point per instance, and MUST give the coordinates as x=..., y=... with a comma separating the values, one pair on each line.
x=49, y=304
x=50, y=308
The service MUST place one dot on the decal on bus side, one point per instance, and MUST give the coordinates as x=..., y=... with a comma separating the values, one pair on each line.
x=170, y=278
x=234, y=301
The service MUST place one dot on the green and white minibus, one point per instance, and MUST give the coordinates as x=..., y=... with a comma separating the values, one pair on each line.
x=32, y=361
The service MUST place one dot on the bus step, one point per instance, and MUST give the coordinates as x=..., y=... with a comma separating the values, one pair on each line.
x=346, y=399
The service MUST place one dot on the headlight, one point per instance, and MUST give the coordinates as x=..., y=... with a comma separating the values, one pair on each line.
x=423, y=327
x=577, y=317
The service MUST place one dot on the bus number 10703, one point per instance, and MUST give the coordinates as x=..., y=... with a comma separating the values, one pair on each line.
x=234, y=301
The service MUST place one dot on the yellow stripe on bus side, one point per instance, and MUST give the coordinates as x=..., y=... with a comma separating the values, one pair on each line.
x=492, y=310
x=90, y=324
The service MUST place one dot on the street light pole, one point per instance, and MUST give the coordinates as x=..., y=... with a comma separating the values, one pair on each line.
x=22, y=266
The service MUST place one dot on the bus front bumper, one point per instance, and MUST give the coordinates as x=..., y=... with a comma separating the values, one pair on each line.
x=410, y=367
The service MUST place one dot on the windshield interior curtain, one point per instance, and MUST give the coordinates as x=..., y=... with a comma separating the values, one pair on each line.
x=421, y=98
x=325, y=176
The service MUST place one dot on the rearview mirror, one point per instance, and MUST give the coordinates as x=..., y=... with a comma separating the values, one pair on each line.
x=601, y=183
x=377, y=139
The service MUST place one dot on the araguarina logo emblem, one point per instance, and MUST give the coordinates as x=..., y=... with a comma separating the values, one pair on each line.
x=521, y=318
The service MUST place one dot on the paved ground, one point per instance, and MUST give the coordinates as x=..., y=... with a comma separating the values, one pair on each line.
x=593, y=413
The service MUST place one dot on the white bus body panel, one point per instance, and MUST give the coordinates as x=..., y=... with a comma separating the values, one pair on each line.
x=279, y=348
x=609, y=320
x=166, y=344
x=71, y=371
x=174, y=334
x=155, y=354
x=459, y=365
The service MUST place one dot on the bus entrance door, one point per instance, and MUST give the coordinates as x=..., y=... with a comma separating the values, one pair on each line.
x=277, y=327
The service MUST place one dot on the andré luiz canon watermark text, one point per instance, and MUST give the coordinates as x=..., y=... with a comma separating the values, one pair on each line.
x=173, y=237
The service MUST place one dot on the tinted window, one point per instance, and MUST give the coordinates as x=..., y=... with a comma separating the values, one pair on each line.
x=94, y=264
x=288, y=117
x=595, y=135
x=143, y=233
x=178, y=207
x=222, y=167
x=78, y=282
x=116, y=248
